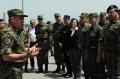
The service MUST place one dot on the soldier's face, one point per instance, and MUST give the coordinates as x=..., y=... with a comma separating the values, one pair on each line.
x=58, y=18
x=93, y=20
x=102, y=18
x=112, y=14
x=66, y=21
x=17, y=21
x=83, y=20
x=40, y=21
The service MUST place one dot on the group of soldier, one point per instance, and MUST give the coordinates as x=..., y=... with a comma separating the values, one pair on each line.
x=91, y=44
x=93, y=41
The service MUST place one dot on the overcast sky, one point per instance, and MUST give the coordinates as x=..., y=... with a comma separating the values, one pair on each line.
x=48, y=7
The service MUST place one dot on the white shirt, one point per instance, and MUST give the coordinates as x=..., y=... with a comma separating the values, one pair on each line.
x=73, y=30
x=32, y=34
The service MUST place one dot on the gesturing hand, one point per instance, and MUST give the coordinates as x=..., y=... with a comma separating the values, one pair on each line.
x=33, y=51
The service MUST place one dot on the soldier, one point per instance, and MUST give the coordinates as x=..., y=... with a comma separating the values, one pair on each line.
x=56, y=34
x=12, y=49
x=103, y=19
x=42, y=32
x=63, y=42
x=95, y=66
x=112, y=43
x=84, y=27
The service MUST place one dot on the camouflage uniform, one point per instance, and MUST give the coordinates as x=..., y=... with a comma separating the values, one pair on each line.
x=94, y=37
x=111, y=49
x=112, y=44
x=12, y=42
x=42, y=34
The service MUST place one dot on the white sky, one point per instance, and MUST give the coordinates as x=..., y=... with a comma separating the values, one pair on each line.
x=48, y=7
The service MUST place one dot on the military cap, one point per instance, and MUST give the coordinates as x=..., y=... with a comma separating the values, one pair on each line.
x=103, y=14
x=1, y=20
x=93, y=15
x=66, y=17
x=40, y=16
x=16, y=12
x=112, y=7
x=84, y=15
x=56, y=14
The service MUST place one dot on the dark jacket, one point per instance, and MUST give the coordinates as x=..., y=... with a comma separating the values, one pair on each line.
x=73, y=41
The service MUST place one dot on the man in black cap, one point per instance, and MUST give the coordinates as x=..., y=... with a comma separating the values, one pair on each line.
x=64, y=45
x=112, y=43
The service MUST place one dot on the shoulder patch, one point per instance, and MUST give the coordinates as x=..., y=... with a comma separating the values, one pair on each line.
x=7, y=41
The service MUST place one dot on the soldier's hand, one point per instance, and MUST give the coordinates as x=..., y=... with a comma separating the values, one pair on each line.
x=33, y=51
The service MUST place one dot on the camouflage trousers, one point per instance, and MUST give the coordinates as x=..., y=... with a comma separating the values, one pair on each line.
x=10, y=73
x=112, y=62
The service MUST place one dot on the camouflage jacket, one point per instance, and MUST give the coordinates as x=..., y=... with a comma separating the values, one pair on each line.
x=13, y=41
x=42, y=33
x=112, y=36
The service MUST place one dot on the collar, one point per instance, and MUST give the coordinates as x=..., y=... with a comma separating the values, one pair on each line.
x=16, y=30
x=76, y=28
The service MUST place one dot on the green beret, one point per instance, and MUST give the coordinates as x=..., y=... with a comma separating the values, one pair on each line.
x=112, y=7
x=93, y=15
x=56, y=14
x=40, y=17
x=16, y=12
x=103, y=14
x=84, y=15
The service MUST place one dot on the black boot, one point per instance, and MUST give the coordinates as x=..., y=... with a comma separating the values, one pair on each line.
x=46, y=68
x=26, y=68
x=40, y=70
